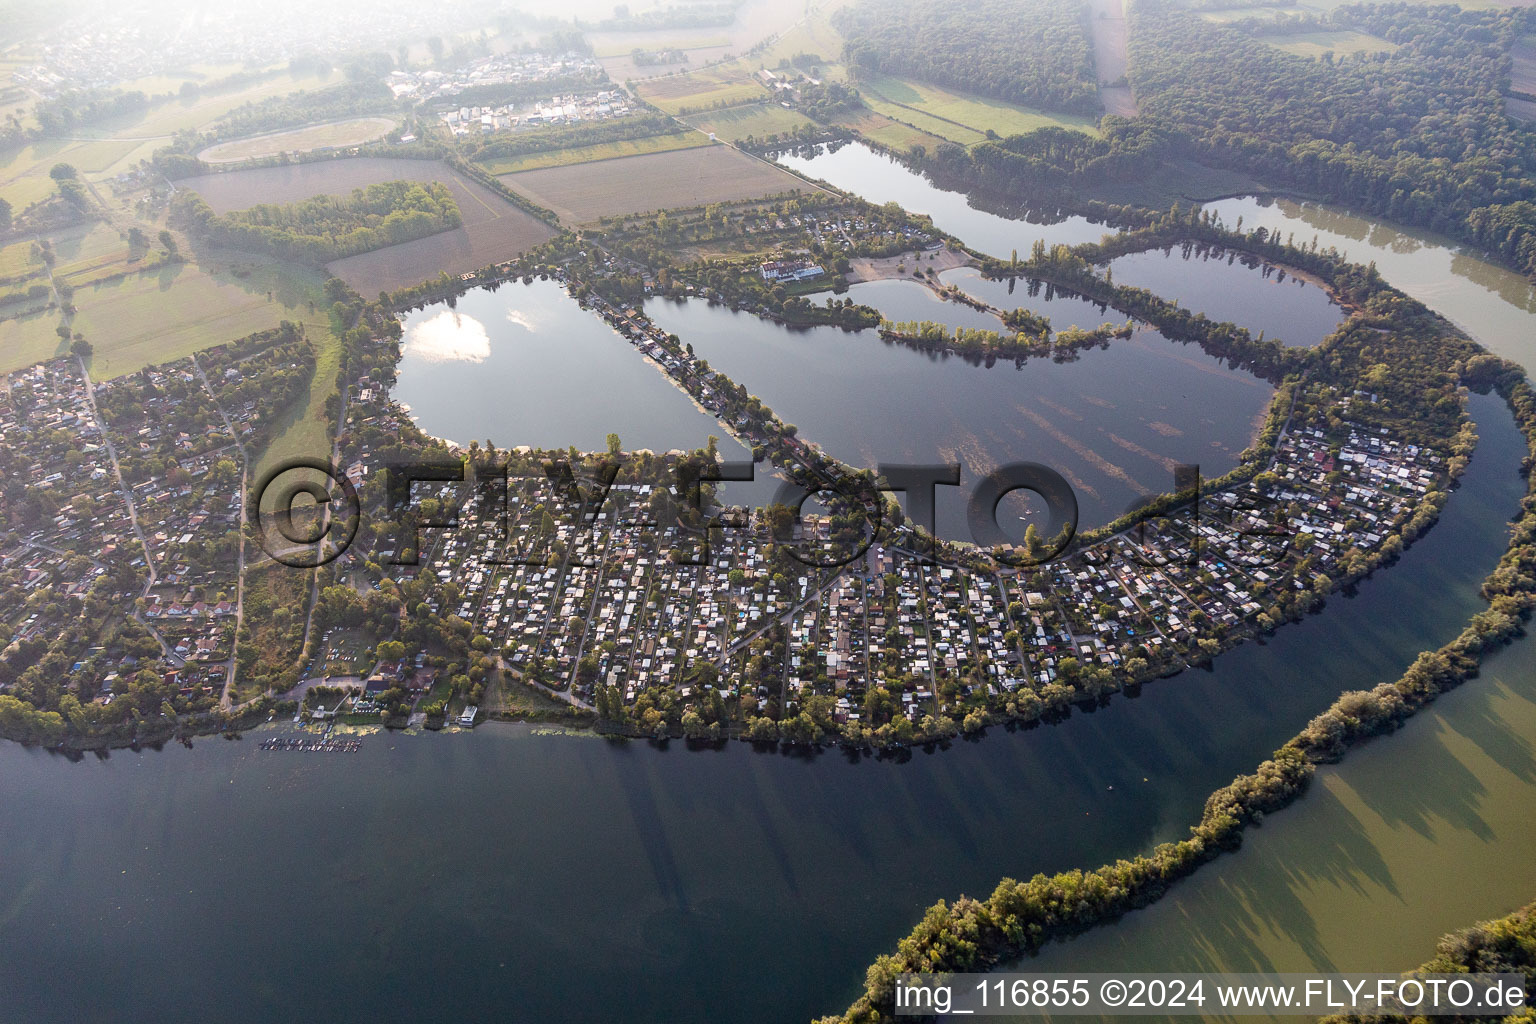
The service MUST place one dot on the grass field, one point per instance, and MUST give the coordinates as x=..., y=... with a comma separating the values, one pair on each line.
x=29, y=339
x=1315, y=44
x=110, y=147
x=760, y=119
x=304, y=430
x=599, y=151
x=879, y=128
x=16, y=260
x=300, y=140
x=85, y=247
x=660, y=181
x=1177, y=181
x=957, y=116
x=700, y=90
x=83, y=252
x=199, y=112
x=159, y=316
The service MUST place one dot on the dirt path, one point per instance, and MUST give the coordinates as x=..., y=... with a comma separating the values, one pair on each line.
x=1107, y=18
x=884, y=268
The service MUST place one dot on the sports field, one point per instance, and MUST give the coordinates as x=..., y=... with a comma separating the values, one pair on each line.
x=637, y=184
x=300, y=140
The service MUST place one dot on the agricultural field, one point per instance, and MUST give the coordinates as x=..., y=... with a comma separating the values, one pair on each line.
x=1315, y=44
x=689, y=177
x=494, y=230
x=597, y=151
x=1520, y=110
x=758, y=120
x=291, y=183
x=1106, y=22
x=700, y=90
x=352, y=132
x=957, y=116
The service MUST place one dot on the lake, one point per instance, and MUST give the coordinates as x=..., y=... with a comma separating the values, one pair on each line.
x=1264, y=299
x=1114, y=423
x=524, y=364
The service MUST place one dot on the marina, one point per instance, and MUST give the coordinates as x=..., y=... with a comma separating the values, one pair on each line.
x=313, y=744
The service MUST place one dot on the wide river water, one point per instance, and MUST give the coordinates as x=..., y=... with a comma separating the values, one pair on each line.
x=514, y=875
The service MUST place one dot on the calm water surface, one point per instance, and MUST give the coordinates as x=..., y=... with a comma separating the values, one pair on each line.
x=882, y=179
x=1115, y=422
x=1223, y=287
x=1496, y=306
x=523, y=364
x=508, y=875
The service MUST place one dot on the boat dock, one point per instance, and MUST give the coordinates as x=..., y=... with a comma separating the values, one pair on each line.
x=325, y=745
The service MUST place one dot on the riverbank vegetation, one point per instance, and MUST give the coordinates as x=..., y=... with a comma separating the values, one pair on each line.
x=1032, y=336
x=971, y=934
x=1505, y=945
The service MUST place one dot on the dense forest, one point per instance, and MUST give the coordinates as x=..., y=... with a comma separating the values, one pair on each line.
x=326, y=228
x=1034, y=52
x=1418, y=134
